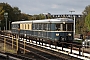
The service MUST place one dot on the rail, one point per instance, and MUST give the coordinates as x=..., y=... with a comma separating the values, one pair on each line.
x=62, y=49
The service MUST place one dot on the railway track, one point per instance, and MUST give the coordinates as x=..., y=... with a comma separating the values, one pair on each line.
x=35, y=52
x=29, y=54
x=47, y=54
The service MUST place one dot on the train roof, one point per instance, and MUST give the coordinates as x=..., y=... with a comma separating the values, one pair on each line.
x=57, y=20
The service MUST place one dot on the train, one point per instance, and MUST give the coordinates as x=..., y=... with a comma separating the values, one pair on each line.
x=51, y=31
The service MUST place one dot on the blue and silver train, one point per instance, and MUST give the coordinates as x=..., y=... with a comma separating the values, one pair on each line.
x=50, y=30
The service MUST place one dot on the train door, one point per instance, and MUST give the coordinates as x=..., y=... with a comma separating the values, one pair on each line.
x=64, y=27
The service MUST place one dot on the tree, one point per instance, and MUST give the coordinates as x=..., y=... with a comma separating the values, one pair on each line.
x=4, y=7
x=1, y=12
x=86, y=16
x=87, y=21
x=23, y=16
x=13, y=14
x=41, y=16
x=38, y=17
x=86, y=11
x=17, y=13
x=83, y=23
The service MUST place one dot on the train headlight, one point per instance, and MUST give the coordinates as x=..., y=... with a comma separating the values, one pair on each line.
x=25, y=35
x=55, y=39
x=69, y=34
x=63, y=22
x=57, y=34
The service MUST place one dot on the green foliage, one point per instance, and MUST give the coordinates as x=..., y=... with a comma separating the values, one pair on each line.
x=23, y=16
x=83, y=24
x=87, y=21
x=87, y=10
x=4, y=7
x=13, y=14
x=38, y=17
x=86, y=17
x=1, y=12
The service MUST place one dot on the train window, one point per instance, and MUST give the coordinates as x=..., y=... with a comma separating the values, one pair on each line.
x=25, y=26
x=49, y=27
x=69, y=27
x=40, y=26
x=45, y=26
x=15, y=26
x=28, y=26
x=35, y=26
x=58, y=27
x=18, y=25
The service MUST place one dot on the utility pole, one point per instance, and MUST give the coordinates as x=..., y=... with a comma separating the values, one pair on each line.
x=9, y=25
x=71, y=11
x=6, y=17
x=74, y=20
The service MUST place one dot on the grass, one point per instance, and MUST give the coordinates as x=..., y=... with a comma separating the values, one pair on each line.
x=7, y=49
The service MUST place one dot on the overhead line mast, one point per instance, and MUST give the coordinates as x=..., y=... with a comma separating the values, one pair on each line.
x=74, y=20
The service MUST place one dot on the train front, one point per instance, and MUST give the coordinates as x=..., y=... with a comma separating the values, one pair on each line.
x=63, y=30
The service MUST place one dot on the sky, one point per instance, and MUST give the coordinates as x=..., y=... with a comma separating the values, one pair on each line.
x=49, y=6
